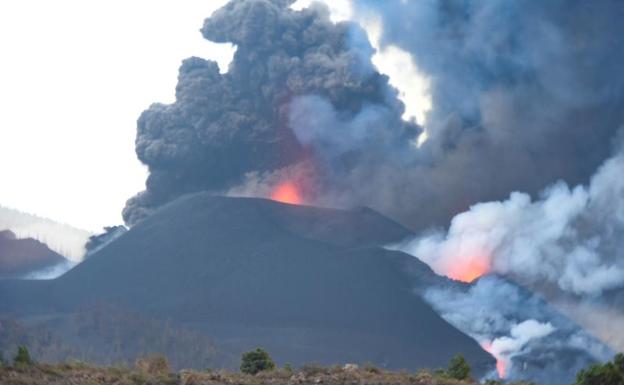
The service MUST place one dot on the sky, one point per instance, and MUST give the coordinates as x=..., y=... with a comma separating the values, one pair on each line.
x=75, y=77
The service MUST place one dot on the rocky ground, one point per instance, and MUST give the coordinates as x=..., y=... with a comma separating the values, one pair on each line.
x=148, y=373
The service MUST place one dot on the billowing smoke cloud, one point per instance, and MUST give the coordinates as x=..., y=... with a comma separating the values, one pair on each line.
x=63, y=239
x=528, y=338
x=226, y=128
x=522, y=95
x=570, y=237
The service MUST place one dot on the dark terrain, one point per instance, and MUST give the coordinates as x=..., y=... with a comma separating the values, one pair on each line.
x=230, y=274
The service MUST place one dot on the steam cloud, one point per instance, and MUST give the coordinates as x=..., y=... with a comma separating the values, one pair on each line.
x=572, y=238
x=63, y=239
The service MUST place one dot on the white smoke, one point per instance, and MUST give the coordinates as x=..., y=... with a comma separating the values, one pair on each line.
x=51, y=272
x=571, y=237
x=506, y=347
x=64, y=239
x=518, y=328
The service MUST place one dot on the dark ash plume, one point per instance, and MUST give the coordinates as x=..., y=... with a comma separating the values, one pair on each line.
x=223, y=126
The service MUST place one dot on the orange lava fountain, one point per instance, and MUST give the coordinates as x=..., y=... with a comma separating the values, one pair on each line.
x=469, y=269
x=287, y=192
x=501, y=366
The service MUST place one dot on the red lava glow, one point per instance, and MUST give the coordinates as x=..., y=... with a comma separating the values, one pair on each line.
x=287, y=192
x=501, y=368
x=469, y=269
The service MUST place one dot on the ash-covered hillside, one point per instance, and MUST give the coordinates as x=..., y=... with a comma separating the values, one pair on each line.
x=308, y=284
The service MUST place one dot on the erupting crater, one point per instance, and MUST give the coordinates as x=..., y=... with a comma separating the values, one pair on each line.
x=287, y=192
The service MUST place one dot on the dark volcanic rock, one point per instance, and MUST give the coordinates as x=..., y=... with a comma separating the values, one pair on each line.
x=307, y=284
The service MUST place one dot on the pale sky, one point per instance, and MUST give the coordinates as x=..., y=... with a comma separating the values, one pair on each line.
x=75, y=75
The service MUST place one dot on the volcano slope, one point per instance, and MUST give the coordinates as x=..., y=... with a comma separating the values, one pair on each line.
x=307, y=284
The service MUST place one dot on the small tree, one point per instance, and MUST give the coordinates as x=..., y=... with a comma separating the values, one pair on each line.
x=256, y=361
x=458, y=368
x=22, y=357
x=610, y=373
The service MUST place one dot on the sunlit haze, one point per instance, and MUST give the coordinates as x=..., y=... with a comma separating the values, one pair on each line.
x=75, y=76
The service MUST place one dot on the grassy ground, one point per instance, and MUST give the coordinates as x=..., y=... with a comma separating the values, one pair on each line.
x=157, y=373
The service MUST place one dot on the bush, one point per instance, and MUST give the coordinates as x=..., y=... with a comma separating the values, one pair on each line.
x=256, y=361
x=610, y=373
x=22, y=357
x=458, y=368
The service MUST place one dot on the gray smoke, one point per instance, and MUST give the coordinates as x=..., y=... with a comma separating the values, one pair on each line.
x=524, y=93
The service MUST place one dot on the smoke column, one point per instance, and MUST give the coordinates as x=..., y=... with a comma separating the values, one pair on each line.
x=233, y=132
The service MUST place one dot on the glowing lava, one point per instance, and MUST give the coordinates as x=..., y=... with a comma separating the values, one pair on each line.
x=501, y=366
x=469, y=269
x=287, y=192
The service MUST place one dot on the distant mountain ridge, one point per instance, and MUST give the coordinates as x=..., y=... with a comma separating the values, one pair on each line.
x=21, y=257
x=64, y=239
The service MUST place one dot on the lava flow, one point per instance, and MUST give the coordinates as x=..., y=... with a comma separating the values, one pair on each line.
x=287, y=192
x=501, y=366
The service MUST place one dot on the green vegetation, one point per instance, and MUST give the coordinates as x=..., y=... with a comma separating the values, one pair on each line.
x=458, y=368
x=610, y=373
x=22, y=358
x=256, y=361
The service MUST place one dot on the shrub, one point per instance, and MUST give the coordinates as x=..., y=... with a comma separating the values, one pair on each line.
x=458, y=368
x=22, y=357
x=256, y=361
x=288, y=368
